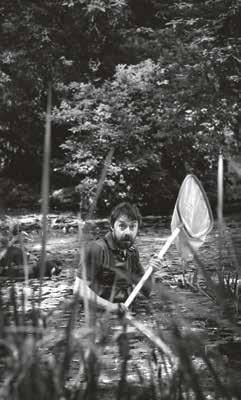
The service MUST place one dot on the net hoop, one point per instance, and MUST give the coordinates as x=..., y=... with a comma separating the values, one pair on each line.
x=196, y=211
x=184, y=224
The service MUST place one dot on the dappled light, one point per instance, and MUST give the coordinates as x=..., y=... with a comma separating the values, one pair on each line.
x=120, y=261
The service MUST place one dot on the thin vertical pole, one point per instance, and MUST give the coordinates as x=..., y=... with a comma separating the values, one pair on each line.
x=45, y=188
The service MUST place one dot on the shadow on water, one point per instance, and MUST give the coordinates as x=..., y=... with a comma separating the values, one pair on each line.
x=194, y=310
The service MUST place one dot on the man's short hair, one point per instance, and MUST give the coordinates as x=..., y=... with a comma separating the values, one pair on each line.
x=125, y=208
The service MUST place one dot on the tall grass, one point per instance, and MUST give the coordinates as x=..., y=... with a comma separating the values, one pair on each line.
x=32, y=368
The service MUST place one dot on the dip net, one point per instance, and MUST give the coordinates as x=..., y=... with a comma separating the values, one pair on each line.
x=192, y=213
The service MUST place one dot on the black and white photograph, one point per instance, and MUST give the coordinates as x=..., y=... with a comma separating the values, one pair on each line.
x=120, y=200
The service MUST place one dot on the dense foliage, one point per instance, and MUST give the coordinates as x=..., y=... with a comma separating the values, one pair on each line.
x=157, y=81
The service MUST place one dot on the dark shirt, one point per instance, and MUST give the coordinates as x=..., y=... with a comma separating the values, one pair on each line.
x=111, y=272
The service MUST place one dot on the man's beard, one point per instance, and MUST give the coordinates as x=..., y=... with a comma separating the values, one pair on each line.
x=124, y=243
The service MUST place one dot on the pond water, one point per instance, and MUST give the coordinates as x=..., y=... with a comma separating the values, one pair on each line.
x=195, y=311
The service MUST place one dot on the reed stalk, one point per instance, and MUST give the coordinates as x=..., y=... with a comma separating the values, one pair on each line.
x=83, y=233
x=220, y=214
x=45, y=188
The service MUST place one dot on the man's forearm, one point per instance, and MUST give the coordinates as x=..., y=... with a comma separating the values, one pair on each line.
x=83, y=290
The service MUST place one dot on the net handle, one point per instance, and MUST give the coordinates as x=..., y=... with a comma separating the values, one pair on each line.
x=149, y=270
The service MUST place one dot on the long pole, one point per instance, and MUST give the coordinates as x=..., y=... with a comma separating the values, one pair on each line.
x=149, y=271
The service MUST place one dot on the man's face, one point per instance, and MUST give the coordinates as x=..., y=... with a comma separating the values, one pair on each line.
x=125, y=231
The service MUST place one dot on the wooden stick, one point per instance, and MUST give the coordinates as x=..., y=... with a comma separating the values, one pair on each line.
x=149, y=271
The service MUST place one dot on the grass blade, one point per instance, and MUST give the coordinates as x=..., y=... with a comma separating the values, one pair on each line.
x=83, y=233
x=101, y=182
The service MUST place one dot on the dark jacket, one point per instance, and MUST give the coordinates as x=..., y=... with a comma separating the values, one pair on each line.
x=110, y=271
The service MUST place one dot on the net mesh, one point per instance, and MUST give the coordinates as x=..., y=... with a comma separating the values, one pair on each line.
x=192, y=212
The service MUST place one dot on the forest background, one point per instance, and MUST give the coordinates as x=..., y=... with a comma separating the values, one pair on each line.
x=156, y=81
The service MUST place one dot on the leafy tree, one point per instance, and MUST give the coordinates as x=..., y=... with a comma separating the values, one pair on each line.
x=42, y=42
x=166, y=116
x=158, y=81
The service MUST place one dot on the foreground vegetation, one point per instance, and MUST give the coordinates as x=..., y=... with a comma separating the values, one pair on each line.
x=38, y=362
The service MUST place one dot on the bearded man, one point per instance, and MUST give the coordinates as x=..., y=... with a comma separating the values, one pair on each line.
x=112, y=263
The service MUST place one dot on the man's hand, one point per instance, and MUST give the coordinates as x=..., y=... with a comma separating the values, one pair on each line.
x=156, y=263
x=122, y=308
x=117, y=308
